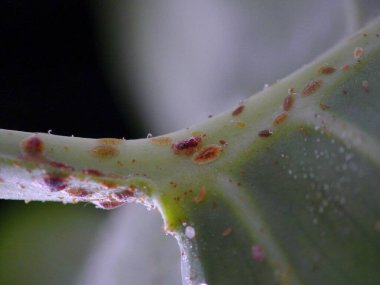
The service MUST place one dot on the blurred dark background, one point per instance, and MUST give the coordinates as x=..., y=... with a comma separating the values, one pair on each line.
x=51, y=74
x=51, y=78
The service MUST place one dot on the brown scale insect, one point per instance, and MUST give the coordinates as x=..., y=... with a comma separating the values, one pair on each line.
x=288, y=103
x=265, y=133
x=238, y=110
x=207, y=154
x=201, y=195
x=280, y=118
x=187, y=146
x=326, y=70
x=33, y=146
x=104, y=151
x=312, y=87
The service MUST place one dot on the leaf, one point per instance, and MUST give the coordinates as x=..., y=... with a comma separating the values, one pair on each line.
x=294, y=198
x=280, y=190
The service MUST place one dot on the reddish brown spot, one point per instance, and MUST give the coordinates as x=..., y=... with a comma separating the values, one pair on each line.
x=110, y=141
x=56, y=182
x=280, y=118
x=161, y=140
x=346, y=67
x=104, y=151
x=238, y=110
x=265, y=133
x=358, y=53
x=92, y=172
x=59, y=165
x=226, y=232
x=207, y=154
x=77, y=192
x=187, y=147
x=324, y=106
x=288, y=102
x=326, y=70
x=257, y=253
x=312, y=87
x=33, y=146
x=201, y=195
x=223, y=142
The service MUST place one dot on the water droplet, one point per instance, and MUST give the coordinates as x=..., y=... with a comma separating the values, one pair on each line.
x=190, y=232
x=149, y=135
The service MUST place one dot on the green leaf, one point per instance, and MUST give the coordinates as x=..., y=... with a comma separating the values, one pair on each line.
x=301, y=204
x=283, y=189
